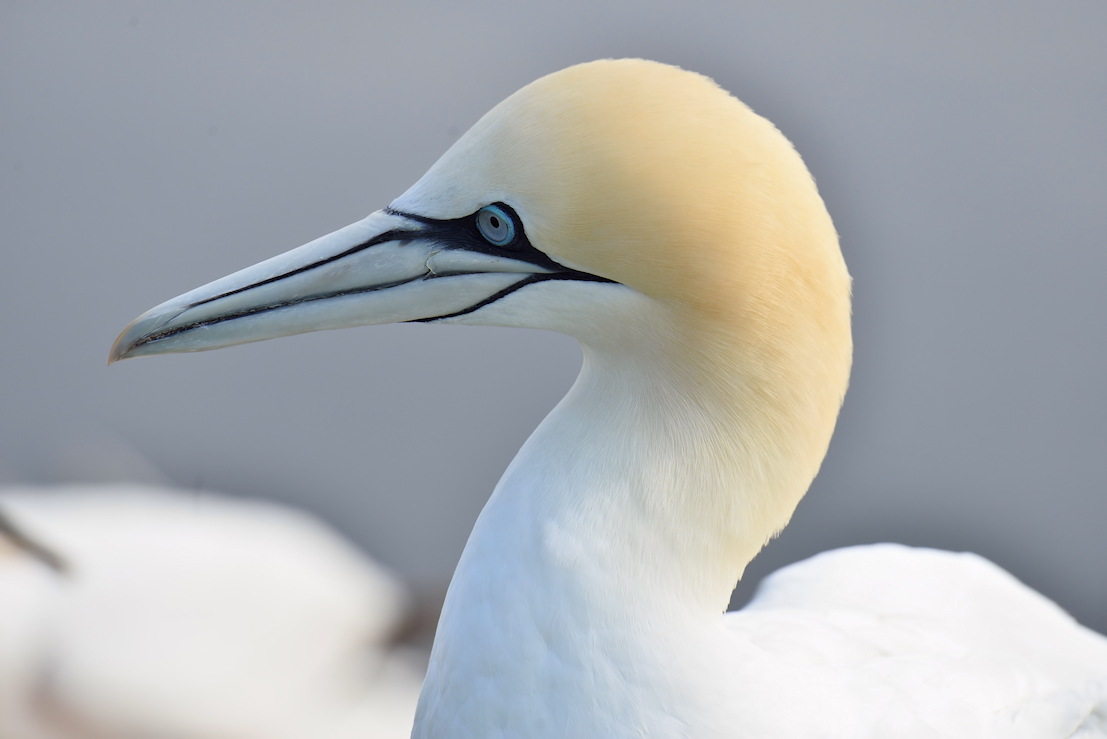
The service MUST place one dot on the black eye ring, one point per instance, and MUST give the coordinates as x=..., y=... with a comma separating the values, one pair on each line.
x=495, y=225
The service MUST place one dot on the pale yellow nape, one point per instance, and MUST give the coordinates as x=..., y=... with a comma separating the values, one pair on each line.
x=659, y=179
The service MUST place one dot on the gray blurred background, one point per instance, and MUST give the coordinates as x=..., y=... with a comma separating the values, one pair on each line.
x=146, y=148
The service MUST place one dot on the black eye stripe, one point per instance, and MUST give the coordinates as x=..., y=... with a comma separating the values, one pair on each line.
x=463, y=233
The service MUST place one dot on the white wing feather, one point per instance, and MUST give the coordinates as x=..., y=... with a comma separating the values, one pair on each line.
x=944, y=644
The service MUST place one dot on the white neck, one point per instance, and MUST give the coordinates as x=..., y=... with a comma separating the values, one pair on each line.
x=606, y=535
x=592, y=588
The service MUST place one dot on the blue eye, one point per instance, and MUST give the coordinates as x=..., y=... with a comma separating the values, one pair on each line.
x=495, y=225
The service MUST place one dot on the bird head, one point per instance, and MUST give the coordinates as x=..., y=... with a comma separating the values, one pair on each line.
x=631, y=204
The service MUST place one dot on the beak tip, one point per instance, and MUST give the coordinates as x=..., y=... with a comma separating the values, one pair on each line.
x=115, y=355
x=123, y=346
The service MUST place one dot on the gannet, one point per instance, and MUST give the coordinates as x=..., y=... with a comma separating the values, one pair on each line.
x=679, y=237
x=204, y=617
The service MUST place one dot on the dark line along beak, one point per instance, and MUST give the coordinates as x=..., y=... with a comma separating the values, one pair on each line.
x=390, y=267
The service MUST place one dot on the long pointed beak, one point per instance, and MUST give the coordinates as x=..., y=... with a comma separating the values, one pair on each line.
x=387, y=268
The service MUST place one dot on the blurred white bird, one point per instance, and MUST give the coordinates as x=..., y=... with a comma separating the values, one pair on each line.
x=680, y=238
x=135, y=613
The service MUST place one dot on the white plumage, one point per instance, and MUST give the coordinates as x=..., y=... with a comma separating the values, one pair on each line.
x=680, y=238
x=942, y=644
